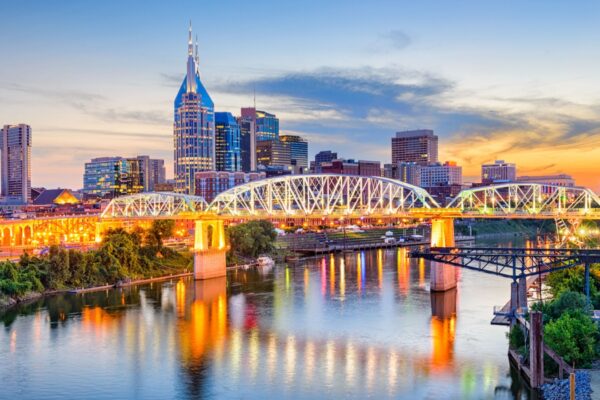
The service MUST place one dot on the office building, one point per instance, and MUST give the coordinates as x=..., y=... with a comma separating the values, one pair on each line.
x=437, y=174
x=321, y=157
x=298, y=152
x=273, y=152
x=247, y=143
x=266, y=124
x=352, y=167
x=117, y=176
x=194, y=126
x=498, y=172
x=419, y=146
x=15, y=148
x=408, y=172
x=227, y=143
x=210, y=183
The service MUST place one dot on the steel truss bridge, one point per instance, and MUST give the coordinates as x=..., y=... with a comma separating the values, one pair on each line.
x=315, y=197
x=510, y=262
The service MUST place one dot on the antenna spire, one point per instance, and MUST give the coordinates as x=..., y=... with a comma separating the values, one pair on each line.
x=190, y=44
x=197, y=54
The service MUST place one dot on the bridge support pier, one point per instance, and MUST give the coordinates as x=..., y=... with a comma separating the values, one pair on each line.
x=442, y=276
x=209, y=249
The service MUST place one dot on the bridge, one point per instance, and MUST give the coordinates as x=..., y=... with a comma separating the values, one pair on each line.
x=315, y=199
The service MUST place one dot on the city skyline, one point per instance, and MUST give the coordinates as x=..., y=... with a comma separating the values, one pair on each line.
x=96, y=91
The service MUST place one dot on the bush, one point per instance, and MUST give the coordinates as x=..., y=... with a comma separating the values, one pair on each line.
x=573, y=336
x=252, y=238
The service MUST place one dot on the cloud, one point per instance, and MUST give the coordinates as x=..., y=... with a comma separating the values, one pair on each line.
x=397, y=39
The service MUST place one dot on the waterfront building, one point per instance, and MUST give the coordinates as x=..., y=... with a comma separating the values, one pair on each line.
x=227, y=143
x=419, y=146
x=498, y=172
x=194, y=126
x=210, y=183
x=15, y=148
x=408, y=172
x=298, y=152
x=273, y=152
x=437, y=174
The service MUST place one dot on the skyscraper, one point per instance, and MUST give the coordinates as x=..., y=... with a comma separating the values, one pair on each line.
x=420, y=146
x=16, y=163
x=267, y=124
x=298, y=152
x=194, y=126
x=273, y=152
x=227, y=143
x=247, y=143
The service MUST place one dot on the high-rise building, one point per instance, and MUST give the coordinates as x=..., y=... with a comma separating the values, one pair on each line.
x=408, y=172
x=273, y=152
x=437, y=174
x=321, y=157
x=15, y=147
x=227, y=143
x=298, y=152
x=369, y=168
x=247, y=143
x=497, y=172
x=267, y=124
x=157, y=173
x=419, y=146
x=194, y=126
x=210, y=183
x=117, y=176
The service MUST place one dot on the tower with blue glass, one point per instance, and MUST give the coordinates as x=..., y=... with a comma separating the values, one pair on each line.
x=227, y=143
x=193, y=127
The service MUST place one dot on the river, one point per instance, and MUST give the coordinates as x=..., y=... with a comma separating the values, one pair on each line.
x=359, y=325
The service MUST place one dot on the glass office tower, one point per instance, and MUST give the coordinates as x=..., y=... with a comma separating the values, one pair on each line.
x=193, y=128
x=227, y=143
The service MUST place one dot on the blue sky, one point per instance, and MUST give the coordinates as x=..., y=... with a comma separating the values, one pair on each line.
x=512, y=80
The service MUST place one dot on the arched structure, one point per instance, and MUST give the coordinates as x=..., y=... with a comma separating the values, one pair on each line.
x=532, y=200
x=154, y=205
x=319, y=195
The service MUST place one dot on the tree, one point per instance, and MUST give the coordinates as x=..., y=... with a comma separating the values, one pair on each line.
x=252, y=238
x=573, y=336
x=160, y=229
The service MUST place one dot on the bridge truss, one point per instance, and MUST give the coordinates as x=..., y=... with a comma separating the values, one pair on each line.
x=510, y=262
x=527, y=200
x=154, y=205
x=322, y=195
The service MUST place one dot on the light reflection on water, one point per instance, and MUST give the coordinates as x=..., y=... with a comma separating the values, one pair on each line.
x=355, y=325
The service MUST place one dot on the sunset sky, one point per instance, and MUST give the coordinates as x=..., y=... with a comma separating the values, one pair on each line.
x=511, y=80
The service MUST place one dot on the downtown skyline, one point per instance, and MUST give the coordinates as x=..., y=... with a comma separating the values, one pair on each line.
x=106, y=91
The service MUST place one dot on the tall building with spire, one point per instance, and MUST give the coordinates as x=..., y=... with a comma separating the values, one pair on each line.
x=193, y=127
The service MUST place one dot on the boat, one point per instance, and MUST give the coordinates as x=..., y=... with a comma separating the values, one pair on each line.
x=264, y=261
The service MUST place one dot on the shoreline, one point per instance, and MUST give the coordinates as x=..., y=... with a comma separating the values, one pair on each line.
x=30, y=297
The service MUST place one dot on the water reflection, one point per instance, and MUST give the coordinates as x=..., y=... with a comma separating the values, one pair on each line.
x=349, y=325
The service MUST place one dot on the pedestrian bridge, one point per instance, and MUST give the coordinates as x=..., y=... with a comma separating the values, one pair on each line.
x=315, y=199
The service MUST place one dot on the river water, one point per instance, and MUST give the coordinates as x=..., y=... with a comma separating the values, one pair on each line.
x=359, y=325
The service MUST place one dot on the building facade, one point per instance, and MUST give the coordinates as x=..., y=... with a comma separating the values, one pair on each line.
x=247, y=143
x=321, y=157
x=418, y=146
x=352, y=167
x=556, y=180
x=298, y=152
x=193, y=128
x=273, y=152
x=15, y=148
x=210, y=183
x=498, y=172
x=408, y=172
x=438, y=174
x=227, y=143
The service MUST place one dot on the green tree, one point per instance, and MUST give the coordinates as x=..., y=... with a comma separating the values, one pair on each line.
x=160, y=230
x=573, y=336
x=252, y=238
